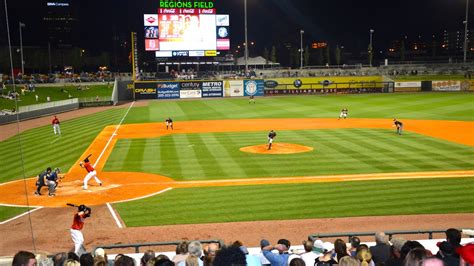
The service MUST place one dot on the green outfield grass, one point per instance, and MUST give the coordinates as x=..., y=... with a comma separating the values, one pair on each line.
x=336, y=151
x=437, y=106
x=301, y=201
x=56, y=94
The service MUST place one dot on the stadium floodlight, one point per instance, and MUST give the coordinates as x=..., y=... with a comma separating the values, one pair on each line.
x=465, y=31
x=301, y=49
x=246, y=49
x=21, y=49
x=370, y=47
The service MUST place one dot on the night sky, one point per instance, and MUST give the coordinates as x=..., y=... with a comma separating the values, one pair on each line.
x=343, y=22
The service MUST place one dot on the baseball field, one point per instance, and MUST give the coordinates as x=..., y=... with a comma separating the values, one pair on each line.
x=214, y=167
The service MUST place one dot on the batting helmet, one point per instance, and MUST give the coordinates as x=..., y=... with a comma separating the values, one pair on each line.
x=82, y=208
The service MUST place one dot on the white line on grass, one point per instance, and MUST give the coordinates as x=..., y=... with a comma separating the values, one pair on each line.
x=18, y=216
x=113, y=135
x=114, y=215
x=146, y=196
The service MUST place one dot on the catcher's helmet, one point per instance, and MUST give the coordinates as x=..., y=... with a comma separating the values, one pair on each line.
x=82, y=208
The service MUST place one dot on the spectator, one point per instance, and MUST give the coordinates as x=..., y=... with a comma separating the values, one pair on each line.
x=86, y=259
x=71, y=262
x=453, y=236
x=340, y=248
x=229, y=256
x=124, y=260
x=280, y=258
x=250, y=259
x=466, y=253
x=59, y=259
x=355, y=242
x=381, y=251
x=210, y=253
x=347, y=261
x=447, y=254
x=181, y=252
x=72, y=256
x=309, y=255
x=48, y=99
x=408, y=246
x=194, y=248
x=24, y=258
x=148, y=255
x=415, y=257
x=395, y=252
x=297, y=262
x=327, y=258
x=164, y=262
x=36, y=97
x=263, y=260
x=365, y=257
x=192, y=260
x=432, y=261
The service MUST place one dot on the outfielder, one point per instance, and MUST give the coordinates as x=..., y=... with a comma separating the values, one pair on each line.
x=169, y=123
x=42, y=181
x=271, y=135
x=77, y=224
x=90, y=173
x=56, y=128
x=343, y=113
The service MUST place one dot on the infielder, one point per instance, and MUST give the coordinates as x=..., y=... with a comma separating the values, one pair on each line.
x=169, y=123
x=77, y=224
x=42, y=181
x=343, y=113
x=56, y=128
x=90, y=173
x=399, y=126
x=271, y=135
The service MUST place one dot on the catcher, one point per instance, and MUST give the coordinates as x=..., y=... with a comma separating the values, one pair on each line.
x=82, y=213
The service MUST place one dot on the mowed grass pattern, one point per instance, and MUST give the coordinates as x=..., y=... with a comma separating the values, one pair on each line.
x=427, y=106
x=40, y=148
x=301, y=201
x=336, y=151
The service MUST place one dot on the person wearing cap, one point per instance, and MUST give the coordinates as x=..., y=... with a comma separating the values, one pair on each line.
x=280, y=258
x=327, y=258
x=355, y=242
x=447, y=253
x=263, y=260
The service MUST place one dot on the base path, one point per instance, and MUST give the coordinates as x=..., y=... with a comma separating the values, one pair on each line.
x=119, y=186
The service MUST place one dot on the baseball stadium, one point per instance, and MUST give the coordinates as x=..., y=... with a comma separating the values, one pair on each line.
x=297, y=154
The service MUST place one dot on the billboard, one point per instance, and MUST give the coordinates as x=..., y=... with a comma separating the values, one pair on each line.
x=168, y=90
x=446, y=85
x=212, y=89
x=188, y=28
x=254, y=87
x=234, y=88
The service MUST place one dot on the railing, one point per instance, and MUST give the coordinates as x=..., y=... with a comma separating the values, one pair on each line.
x=35, y=107
x=389, y=233
x=137, y=246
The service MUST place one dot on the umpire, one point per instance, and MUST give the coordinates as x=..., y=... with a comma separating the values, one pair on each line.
x=42, y=180
x=52, y=182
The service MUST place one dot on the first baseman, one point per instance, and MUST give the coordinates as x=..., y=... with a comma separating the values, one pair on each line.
x=90, y=173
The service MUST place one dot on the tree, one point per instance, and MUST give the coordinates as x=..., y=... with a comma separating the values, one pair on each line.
x=338, y=55
x=306, y=55
x=328, y=55
x=274, y=54
x=320, y=56
x=266, y=55
x=402, y=50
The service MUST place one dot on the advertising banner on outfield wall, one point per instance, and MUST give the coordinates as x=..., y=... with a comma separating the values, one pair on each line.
x=446, y=85
x=145, y=90
x=409, y=84
x=234, y=88
x=168, y=90
x=212, y=89
x=254, y=87
x=190, y=94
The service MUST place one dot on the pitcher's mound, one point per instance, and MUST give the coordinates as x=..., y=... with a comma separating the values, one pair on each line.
x=277, y=148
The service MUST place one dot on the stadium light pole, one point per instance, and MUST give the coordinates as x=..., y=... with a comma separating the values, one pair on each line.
x=301, y=49
x=370, y=47
x=465, y=31
x=21, y=49
x=246, y=49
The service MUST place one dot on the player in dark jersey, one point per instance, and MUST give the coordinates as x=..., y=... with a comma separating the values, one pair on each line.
x=399, y=126
x=169, y=123
x=42, y=180
x=271, y=135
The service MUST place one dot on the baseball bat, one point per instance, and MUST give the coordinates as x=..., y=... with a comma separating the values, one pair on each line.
x=88, y=156
x=72, y=205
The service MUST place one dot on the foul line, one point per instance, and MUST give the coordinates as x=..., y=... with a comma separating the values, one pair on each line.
x=113, y=135
x=18, y=216
x=146, y=196
x=114, y=215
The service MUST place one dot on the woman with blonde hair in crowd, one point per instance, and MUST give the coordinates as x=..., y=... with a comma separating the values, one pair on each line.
x=364, y=256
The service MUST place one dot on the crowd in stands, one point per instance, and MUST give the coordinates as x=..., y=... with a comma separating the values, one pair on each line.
x=394, y=252
x=100, y=76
